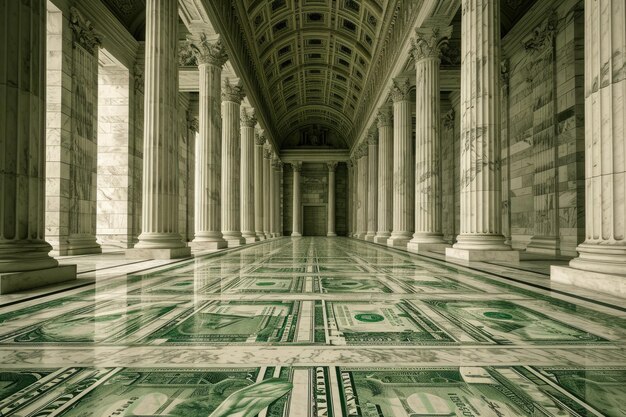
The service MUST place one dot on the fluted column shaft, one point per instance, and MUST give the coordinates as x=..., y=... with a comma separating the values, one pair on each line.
x=403, y=167
x=22, y=136
x=160, y=237
x=481, y=219
x=297, y=201
x=231, y=170
x=428, y=210
x=372, y=186
x=267, y=193
x=362, y=193
x=258, y=187
x=385, y=176
x=332, y=170
x=604, y=248
x=276, y=171
x=248, y=121
x=208, y=161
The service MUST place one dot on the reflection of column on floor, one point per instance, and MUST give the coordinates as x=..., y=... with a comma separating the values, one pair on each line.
x=24, y=259
x=481, y=215
x=601, y=264
x=160, y=238
x=72, y=147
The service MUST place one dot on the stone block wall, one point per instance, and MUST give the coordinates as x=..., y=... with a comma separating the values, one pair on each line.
x=543, y=126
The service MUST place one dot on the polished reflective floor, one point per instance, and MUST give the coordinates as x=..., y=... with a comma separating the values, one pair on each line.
x=312, y=327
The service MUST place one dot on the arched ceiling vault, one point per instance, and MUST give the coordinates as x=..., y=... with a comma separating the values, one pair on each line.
x=312, y=58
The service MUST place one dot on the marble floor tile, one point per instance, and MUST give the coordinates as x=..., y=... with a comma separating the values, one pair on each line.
x=310, y=327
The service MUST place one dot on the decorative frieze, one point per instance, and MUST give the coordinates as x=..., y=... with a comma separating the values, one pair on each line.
x=83, y=31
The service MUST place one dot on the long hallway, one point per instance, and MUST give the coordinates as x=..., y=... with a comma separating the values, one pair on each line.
x=312, y=327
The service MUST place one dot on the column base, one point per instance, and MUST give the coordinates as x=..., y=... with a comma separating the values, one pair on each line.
x=547, y=245
x=82, y=245
x=253, y=239
x=382, y=238
x=268, y=235
x=421, y=247
x=158, y=253
x=481, y=255
x=361, y=236
x=370, y=236
x=398, y=241
x=11, y=282
x=234, y=242
x=208, y=244
x=296, y=234
x=260, y=236
x=330, y=234
x=596, y=281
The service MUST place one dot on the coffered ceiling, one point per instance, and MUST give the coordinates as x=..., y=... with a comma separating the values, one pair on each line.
x=313, y=59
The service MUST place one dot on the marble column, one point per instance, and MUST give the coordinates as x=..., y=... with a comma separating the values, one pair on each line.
x=24, y=259
x=481, y=216
x=159, y=237
x=403, y=166
x=349, y=200
x=354, y=194
x=372, y=185
x=385, y=175
x=259, y=214
x=232, y=95
x=248, y=122
x=332, y=173
x=277, y=167
x=362, y=187
x=426, y=53
x=211, y=57
x=267, y=192
x=297, y=200
x=601, y=264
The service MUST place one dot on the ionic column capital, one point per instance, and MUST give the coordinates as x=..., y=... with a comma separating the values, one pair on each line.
x=232, y=92
x=400, y=90
x=332, y=166
x=248, y=117
x=429, y=42
x=384, y=117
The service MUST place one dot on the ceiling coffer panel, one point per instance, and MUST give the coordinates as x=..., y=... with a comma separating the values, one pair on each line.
x=314, y=58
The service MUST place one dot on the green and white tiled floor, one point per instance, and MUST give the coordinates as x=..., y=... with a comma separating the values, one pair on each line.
x=312, y=327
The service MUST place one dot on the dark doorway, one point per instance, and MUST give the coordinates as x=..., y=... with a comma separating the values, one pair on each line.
x=314, y=220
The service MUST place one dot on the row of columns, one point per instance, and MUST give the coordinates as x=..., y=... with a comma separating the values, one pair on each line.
x=413, y=208
x=297, y=199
